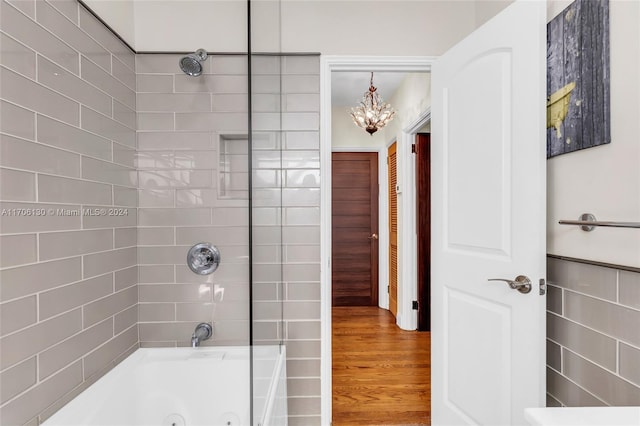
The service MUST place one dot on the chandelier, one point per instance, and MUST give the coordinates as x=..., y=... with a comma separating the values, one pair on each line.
x=372, y=113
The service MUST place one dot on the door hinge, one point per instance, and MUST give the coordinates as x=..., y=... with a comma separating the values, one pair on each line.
x=543, y=287
x=414, y=305
x=387, y=160
x=388, y=289
x=413, y=148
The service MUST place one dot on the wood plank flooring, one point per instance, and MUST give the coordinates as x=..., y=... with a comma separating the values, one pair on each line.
x=381, y=374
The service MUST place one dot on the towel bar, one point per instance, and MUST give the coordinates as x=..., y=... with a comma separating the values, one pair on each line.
x=588, y=223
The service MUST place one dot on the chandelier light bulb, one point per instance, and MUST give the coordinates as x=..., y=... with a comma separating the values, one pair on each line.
x=372, y=113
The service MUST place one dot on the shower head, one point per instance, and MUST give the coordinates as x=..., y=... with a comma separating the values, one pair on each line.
x=192, y=63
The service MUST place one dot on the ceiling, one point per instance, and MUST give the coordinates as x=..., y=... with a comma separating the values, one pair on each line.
x=348, y=87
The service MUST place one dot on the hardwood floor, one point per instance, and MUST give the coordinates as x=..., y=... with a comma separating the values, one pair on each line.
x=381, y=374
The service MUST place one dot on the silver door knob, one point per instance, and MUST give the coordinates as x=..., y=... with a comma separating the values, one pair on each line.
x=373, y=237
x=521, y=283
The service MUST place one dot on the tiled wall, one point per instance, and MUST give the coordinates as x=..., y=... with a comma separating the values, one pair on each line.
x=68, y=189
x=286, y=221
x=593, y=337
x=182, y=120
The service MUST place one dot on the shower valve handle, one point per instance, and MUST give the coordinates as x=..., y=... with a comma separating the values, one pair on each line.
x=521, y=283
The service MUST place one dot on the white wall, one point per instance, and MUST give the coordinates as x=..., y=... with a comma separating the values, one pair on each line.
x=177, y=25
x=411, y=99
x=346, y=134
x=400, y=27
x=487, y=9
x=604, y=180
x=118, y=14
x=187, y=25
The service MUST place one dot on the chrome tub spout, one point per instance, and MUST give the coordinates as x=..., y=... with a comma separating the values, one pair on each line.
x=203, y=332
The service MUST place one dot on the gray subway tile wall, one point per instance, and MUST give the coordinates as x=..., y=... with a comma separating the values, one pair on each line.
x=22, y=90
x=593, y=344
x=16, y=185
x=630, y=363
x=180, y=203
x=29, y=32
x=65, y=27
x=15, y=120
x=68, y=280
x=629, y=289
x=18, y=249
x=18, y=314
x=22, y=154
x=70, y=138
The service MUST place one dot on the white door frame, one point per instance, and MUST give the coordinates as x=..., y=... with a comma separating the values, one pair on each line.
x=383, y=218
x=409, y=251
x=329, y=64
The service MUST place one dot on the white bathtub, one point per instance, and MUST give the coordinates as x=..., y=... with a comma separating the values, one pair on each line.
x=183, y=387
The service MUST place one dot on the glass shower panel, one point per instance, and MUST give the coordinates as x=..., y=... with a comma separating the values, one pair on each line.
x=266, y=196
x=266, y=227
x=285, y=224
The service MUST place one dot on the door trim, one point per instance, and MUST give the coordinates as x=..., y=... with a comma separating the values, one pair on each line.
x=423, y=228
x=409, y=245
x=329, y=63
x=383, y=214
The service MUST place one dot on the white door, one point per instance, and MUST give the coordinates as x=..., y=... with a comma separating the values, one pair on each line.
x=488, y=221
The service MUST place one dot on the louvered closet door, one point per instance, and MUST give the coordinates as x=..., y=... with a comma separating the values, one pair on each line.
x=393, y=230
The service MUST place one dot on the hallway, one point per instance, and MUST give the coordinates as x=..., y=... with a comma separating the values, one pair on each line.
x=381, y=374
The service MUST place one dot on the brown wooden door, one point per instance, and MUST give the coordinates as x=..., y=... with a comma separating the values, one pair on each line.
x=423, y=227
x=393, y=229
x=354, y=216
